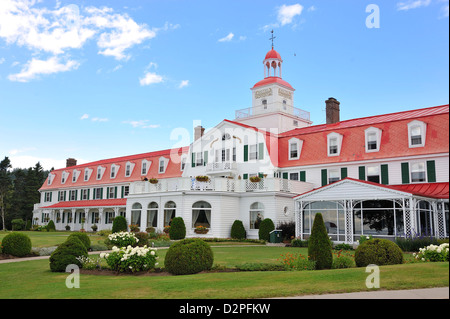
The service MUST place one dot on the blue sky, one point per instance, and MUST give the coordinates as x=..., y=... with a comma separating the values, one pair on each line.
x=100, y=79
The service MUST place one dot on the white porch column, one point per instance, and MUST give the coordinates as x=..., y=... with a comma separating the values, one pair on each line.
x=348, y=213
x=72, y=226
x=100, y=223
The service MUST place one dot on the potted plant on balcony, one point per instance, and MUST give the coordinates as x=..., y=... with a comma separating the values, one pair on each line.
x=201, y=230
x=153, y=180
x=202, y=178
x=255, y=179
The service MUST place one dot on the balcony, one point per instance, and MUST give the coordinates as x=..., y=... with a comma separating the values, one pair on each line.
x=220, y=184
x=221, y=168
x=271, y=108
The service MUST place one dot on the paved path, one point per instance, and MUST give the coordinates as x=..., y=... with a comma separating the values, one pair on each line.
x=428, y=293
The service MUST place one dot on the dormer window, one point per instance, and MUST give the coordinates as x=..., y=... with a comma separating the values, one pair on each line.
x=373, y=139
x=99, y=173
x=113, y=171
x=416, y=133
x=295, y=147
x=50, y=179
x=86, y=174
x=75, y=175
x=64, y=177
x=334, y=144
x=162, y=165
x=145, y=166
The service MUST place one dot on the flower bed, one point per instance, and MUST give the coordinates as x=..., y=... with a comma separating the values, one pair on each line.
x=123, y=239
x=131, y=259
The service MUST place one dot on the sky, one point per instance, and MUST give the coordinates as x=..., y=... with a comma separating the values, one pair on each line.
x=100, y=79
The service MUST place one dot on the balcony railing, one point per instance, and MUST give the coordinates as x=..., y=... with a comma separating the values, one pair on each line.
x=221, y=167
x=275, y=107
x=220, y=184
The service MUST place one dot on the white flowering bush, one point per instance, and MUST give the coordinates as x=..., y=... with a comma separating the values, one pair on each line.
x=123, y=239
x=131, y=259
x=433, y=253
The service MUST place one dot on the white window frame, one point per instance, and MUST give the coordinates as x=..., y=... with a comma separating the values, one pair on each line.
x=253, y=154
x=87, y=174
x=101, y=170
x=64, y=177
x=183, y=163
x=199, y=161
x=83, y=193
x=50, y=179
x=75, y=175
x=129, y=166
x=47, y=196
x=411, y=166
x=337, y=171
x=378, y=167
x=145, y=165
x=61, y=196
x=334, y=136
x=72, y=195
x=423, y=133
x=164, y=161
x=298, y=147
x=373, y=131
x=115, y=170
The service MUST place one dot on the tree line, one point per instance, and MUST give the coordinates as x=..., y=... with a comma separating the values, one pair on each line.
x=19, y=191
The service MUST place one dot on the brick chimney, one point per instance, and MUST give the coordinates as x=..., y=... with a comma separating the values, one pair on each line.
x=332, y=110
x=198, y=132
x=71, y=162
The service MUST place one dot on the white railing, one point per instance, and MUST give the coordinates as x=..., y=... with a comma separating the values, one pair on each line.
x=220, y=184
x=274, y=107
x=221, y=167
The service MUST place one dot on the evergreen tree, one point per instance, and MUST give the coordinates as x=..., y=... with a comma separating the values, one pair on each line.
x=319, y=244
x=5, y=188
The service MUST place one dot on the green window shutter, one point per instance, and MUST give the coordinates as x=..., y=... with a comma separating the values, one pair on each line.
x=344, y=172
x=205, y=158
x=384, y=174
x=261, y=175
x=88, y=194
x=431, y=171
x=362, y=173
x=286, y=175
x=123, y=191
x=64, y=195
x=76, y=194
x=115, y=192
x=63, y=217
x=107, y=192
x=92, y=218
x=303, y=176
x=193, y=159
x=261, y=151
x=51, y=193
x=245, y=176
x=245, y=153
x=405, y=173
x=324, y=177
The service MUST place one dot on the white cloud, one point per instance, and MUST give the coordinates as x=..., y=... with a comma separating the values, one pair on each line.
x=227, y=38
x=151, y=78
x=444, y=10
x=312, y=9
x=36, y=67
x=141, y=124
x=98, y=119
x=183, y=84
x=287, y=13
x=84, y=116
x=22, y=150
x=412, y=4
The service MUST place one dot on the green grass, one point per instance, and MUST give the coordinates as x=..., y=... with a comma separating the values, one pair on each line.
x=33, y=279
x=48, y=239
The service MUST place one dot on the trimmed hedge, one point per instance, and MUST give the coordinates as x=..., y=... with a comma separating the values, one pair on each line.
x=177, y=229
x=238, y=230
x=319, y=244
x=119, y=224
x=378, y=252
x=51, y=226
x=265, y=227
x=188, y=256
x=16, y=244
x=67, y=254
x=84, y=238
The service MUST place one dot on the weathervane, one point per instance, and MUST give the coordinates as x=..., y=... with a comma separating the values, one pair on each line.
x=272, y=38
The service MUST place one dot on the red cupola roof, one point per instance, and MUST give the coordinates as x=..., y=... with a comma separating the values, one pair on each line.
x=272, y=54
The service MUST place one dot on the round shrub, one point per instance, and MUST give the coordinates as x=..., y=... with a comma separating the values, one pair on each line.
x=84, y=238
x=16, y=244
x=67, y=253
x=177, y=229
x=238, y=230
x=265, y=227
x=319, y=244
x=188, y=256
x=51, y=226
x=119, y=224
x=378, y=252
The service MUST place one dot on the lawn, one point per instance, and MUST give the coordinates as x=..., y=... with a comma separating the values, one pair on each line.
x=47, y=239
x=33, y=279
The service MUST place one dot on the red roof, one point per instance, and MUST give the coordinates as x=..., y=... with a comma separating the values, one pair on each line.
x=173, y=169
x=430, y=190
x=90, y=203
x=272, y=54
x=272, y=80
x=394, y=138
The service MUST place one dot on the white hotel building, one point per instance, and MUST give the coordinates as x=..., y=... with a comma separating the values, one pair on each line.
x=385, y=175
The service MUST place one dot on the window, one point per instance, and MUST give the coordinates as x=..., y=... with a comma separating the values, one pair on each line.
x=169, y=212
x=333, y=217
x=84, y=194
x=47, y=197
x=136, y=214
x=162, y=165
x=86, y=174
x=128, y=170
x=199, y=159
x=61, y=196
x=373, y=139
x=144, y=167
x=126, y=190
x=264, y=103
x=75, y=174
x=98, y=193
x=253, y=152
x=334, y=141
x=50, y=179
x=234, y=154
x=417, y=133
x=333, y=176
x=81, y=217
x=111, y=192
x=64, y=177
x=109, y=217
x=183, y=163
x=256, y=215
x=100, y=171
x=201, y=214
x=113, y=171
x=418, y=173
x=295, y=146
x=373, y=174
x=293, y=176
x=152, y=214
x=72, y=195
